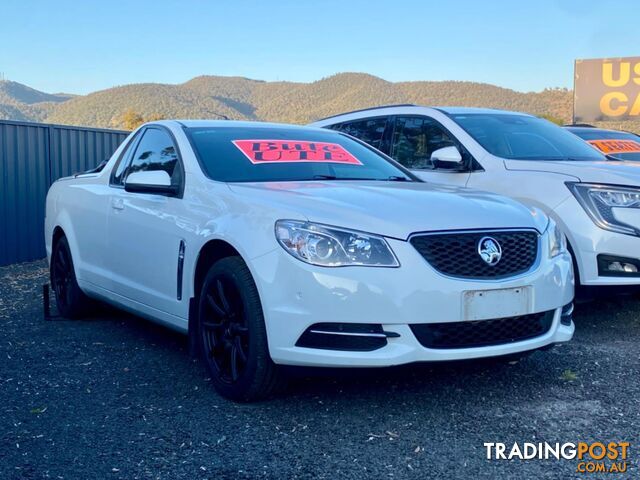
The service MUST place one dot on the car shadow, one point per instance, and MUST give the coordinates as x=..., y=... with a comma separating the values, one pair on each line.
x=601, y=317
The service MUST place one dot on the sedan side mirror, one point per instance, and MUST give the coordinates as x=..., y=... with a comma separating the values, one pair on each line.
x=447, y=158
x=156, y=181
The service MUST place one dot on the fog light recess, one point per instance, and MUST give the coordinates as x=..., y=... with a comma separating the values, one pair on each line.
x=612, y=266
x=355, y=337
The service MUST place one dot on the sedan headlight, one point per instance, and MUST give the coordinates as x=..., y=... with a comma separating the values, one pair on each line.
x=333, y=247
x=600, y=200
x=557, y=240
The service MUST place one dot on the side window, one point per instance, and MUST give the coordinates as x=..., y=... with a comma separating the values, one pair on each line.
x=369, y=131
x=117, y=177
x=156, y=151
x=415, y=139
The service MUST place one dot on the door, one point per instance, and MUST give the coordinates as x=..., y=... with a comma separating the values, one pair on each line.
x=144, y=235
x=413, y=141
x=92, y=198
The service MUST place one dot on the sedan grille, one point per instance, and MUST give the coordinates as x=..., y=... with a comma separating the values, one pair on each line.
x=456, y=254
x=482, y=333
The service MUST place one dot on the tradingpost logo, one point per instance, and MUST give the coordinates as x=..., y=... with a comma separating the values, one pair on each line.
x=594, y=457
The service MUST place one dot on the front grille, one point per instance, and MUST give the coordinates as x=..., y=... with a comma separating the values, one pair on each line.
x=482, y=333
x=456, y=254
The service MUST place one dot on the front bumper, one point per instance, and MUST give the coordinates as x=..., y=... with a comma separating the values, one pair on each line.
x=588, y=241
x=295, y=296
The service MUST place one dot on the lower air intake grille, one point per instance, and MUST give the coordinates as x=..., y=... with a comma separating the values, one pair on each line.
x=482, y=333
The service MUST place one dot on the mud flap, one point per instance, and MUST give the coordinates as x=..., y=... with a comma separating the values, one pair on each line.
x=46, y=304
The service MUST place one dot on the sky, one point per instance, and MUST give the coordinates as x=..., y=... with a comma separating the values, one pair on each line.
x=84, y=46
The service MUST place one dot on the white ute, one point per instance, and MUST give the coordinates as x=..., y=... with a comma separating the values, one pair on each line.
x=281, y=245
x=595, y=202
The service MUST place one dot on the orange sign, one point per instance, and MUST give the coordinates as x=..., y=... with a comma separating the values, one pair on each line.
x=616, y=146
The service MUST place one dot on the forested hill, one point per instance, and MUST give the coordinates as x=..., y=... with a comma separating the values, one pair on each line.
x=246, y=99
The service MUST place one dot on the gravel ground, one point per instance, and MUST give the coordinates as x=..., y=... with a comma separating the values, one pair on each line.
x=116, y=397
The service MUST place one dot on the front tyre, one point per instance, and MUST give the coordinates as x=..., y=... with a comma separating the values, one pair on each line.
x=232, y=336
x=70, y=300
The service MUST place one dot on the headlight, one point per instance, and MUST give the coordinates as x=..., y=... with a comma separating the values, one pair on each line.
x=600, y=200
x=557, y=240
x=333, y=247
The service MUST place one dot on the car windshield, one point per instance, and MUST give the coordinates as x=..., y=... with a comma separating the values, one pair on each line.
x=621, y=145
x=241, y=154
x=522, y=137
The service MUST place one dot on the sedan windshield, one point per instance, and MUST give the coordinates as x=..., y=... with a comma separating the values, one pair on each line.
x=521, y=137
x=241, y=154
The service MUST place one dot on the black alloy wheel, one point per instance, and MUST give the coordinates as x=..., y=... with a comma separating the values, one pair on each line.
x=70, y=300
x=231, y=334
x=224, y=329
x=62, y=277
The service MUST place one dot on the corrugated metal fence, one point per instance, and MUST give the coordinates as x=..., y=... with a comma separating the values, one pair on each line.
x=32, y=157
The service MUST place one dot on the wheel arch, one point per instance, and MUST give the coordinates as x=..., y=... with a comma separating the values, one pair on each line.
x=575, y=263
x=576, y=256
x=213, y=250
x=58, y=232
x=63, y=226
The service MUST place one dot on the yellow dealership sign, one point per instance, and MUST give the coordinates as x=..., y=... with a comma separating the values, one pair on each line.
x=607, y=89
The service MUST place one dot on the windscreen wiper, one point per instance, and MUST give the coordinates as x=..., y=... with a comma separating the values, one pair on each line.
x=397, y=178
x=333, y=177
x=324, y=177
x=392, y=178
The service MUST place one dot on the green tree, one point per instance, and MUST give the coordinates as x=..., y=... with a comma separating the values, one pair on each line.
x=551, y=118
x=152, y=117
x=130, y=120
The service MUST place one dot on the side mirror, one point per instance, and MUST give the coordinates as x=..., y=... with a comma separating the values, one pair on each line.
x=157, y=181
x=448, y=158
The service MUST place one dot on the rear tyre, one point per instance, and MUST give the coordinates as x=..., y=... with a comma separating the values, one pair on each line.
x=70, y=300
x=231, y=334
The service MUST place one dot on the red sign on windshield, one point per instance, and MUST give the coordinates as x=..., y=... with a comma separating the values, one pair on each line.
x=293, y=151
x=616, y=146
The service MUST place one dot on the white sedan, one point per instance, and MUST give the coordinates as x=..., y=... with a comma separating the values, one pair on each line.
x=277, y=245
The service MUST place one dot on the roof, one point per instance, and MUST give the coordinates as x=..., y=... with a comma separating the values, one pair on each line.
x=193, y=123
x=572, y=128
x=471, y=110
x=368, y=109
x=409, y=107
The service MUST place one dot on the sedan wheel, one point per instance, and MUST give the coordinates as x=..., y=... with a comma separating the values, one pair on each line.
x=70, y=300
x=232, y=334
x=225, y=331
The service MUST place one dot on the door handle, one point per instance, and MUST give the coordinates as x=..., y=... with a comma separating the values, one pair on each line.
x=117, y=204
